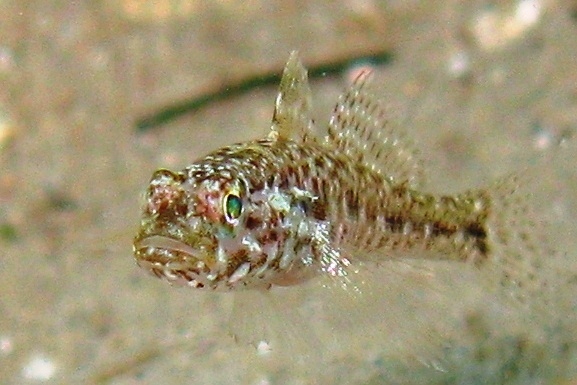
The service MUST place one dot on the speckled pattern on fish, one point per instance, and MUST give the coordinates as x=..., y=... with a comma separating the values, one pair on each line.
x=287, y=208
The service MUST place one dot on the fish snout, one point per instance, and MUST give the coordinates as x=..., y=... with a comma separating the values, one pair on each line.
x=165, y=197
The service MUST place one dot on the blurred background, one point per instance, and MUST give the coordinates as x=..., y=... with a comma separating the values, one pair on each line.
x=483, y=87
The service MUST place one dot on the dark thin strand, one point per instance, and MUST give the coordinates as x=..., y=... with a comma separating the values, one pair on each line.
x=171, y=112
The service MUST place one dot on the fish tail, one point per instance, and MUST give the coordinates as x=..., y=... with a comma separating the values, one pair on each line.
x=516, y=237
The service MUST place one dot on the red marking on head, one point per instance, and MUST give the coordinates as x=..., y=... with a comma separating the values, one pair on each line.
x=166, y=198
x=161, y=198
x=209, y=204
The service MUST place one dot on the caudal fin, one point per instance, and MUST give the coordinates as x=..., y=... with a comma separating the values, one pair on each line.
x=517, y=238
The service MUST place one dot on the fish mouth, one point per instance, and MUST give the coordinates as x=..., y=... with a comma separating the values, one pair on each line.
x=161, y=242
x=172, y=260
x=159, y=252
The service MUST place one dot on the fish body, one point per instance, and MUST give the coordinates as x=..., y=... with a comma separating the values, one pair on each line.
x=285, y=209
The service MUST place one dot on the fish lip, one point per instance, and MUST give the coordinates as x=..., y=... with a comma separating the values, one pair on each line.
x=167, y=243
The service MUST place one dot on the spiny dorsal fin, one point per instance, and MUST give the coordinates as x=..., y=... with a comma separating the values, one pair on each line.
x=359, y=128
x=292, y=115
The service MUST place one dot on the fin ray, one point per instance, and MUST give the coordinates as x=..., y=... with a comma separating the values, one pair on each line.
x=359, y=128
x=292, y=117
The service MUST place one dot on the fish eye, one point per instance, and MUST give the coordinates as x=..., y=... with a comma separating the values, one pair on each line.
x=232, y=207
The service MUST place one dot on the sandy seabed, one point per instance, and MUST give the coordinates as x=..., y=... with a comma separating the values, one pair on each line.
x=483, y=89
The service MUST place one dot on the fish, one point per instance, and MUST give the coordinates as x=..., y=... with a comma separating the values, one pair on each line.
x=297, y=205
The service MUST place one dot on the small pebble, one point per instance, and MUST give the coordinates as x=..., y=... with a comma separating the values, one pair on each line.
x=39, y=368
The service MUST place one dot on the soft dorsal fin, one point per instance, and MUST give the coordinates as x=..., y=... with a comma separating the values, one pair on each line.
x=358, y=127
x=292, y=117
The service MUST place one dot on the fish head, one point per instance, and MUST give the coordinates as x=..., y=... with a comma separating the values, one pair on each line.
x=201, y=228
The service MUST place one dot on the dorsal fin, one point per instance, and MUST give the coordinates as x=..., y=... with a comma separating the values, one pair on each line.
x=359, y=128
x=292, y=117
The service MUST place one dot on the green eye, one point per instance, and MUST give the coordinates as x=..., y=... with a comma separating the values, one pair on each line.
x=233, y=207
